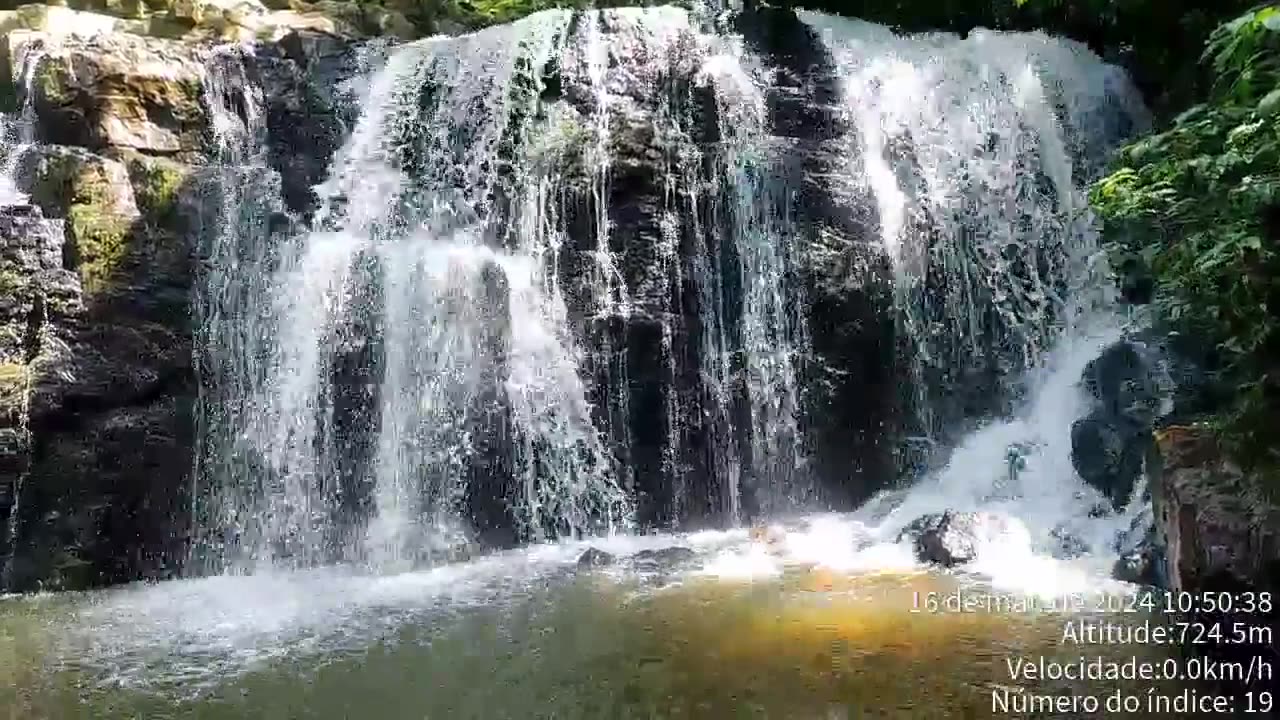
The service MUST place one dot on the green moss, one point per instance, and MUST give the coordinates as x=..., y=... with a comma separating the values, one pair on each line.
x=11, y=282
x=1194, y=211
x=69, y=177
x=156, y=185
x=100, y=246
x=8, y=95
x=50, y=80
x=15, y=383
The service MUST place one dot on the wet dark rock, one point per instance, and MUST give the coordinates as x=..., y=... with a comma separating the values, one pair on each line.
x=1138, y=567
x=1108, y=445
x=1215, y=525
x=96, y=395
x=954, y=538
x=309, y=107
x=1067, y=545
x=1217, y=530
x=664, y=558
x=915, y=528
x=848, y=396
x=1108, y=453
x=594, y=557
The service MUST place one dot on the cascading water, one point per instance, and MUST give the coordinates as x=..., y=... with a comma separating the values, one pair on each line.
x=976, y=152
x=18, y=129
x=478, y=340
x=608, y=270
x=503, y=325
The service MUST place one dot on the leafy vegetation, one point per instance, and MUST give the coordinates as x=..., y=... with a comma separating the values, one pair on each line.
x=1196, y=208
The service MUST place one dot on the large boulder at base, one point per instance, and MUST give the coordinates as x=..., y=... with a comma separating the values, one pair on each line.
x=955, y=538
x=594, y=557
x=1107, y=453
x=664, y=558
x=1139, y=567
x=1109, y=443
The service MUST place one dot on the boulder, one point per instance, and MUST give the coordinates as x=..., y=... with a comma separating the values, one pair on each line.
x=1122, y=381
x=664, y=558
x=1107, y=453
x=1138, y=567
x=121, y=91
x=593, y=557
x=955, y=538
x=1217, y=530
x=1109, y=443
x=56, y=178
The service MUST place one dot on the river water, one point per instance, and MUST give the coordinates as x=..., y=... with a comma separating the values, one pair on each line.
x=743, y=628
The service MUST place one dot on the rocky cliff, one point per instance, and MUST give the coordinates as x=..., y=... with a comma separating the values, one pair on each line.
x=114, y=147
x=133, y=137
x=1217, y=534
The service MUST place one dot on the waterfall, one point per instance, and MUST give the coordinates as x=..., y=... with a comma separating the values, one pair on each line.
x=18, y=129
x=485, y=335
x=604, y=270
x=977, y=152
x=17, y=134
x=243, y=196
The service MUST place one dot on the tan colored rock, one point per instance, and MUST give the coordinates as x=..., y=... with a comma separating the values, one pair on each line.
x=121, y=91
x=55, y=178
x=58, y=21
x=201, y=12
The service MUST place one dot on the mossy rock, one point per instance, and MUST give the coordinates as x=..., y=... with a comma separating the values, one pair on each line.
x=100, y=245
x=15, y=382
x=157, y=183
x=58, y=177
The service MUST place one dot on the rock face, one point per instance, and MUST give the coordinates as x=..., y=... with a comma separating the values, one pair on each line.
x=96, y=288
x=145, y=143
x=38, y=301
x=120, y=91
x=1215, y=524
x=955, y=538
x=1217, y=531
x=1108, y=445
x=106, y=357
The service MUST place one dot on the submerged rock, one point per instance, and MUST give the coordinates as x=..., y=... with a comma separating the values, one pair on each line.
x=955, y=538
x=664, y=557
x=1137, y=567
x=1066, y=545
x=594, y=557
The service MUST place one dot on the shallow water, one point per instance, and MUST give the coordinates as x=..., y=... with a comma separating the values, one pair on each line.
x=740, y=631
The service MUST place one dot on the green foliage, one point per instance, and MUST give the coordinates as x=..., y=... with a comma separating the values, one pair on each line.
x=1243, y=56
x=1197, y=206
